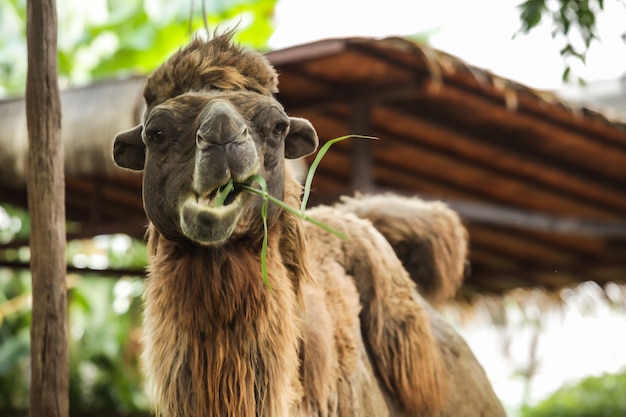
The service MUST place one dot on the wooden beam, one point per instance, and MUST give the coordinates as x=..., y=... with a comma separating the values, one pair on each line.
x=136, y=229
x=107, y=273
x=523, y=219
x=312, y=51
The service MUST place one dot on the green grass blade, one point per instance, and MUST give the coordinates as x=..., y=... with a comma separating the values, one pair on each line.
x=316, y=162
x=222, y=194
x=293, y=211
x=264, y=273
x=263, y=192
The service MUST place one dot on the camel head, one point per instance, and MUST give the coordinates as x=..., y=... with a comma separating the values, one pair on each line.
x=193, y=144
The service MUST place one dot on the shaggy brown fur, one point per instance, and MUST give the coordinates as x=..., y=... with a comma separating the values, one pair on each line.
x=217, y=344
x=428, y=237
x=395, y=327
x=343, y=330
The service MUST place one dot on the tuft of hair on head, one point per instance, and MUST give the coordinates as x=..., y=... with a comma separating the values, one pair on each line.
x=213, y=64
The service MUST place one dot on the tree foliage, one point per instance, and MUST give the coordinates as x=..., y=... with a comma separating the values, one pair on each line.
x=573, y=20
x=598, y=396
x=106, y=38
x=104, y=322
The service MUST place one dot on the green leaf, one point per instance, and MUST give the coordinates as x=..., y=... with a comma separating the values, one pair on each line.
x=531, y=13
x=316, y=162
x=295, y=212
x=566, y=73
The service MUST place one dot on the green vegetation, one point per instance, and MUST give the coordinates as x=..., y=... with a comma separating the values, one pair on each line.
x=104, y=319
x=574, y=20
x=104, y=341
x=103, y=324
x=598, y=396
x=107, y=38
x=14, y=338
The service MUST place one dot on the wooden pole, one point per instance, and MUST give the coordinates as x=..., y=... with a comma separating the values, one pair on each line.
x=362, y=158
x=46, y=201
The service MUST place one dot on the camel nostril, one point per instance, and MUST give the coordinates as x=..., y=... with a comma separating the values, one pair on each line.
x=205, y=139
x=201, y=142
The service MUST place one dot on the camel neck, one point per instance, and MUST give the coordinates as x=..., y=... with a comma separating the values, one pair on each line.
x=217, y=284
x=213, y=327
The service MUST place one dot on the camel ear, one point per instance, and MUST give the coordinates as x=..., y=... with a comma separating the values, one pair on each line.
x=129, y=150
x=301, y=139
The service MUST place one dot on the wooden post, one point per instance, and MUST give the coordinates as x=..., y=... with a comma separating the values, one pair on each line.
x=362, y=159
x=46, y=203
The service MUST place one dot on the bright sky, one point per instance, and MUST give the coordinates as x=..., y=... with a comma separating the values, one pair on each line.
x=479, y=31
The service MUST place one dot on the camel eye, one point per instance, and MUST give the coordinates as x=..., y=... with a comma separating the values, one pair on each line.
x=155, y=135
x=280, y=129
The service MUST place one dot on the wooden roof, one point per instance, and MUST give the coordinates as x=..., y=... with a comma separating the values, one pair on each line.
x=541, y=185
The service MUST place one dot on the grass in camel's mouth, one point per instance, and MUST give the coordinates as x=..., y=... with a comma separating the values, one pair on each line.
x=225, y=194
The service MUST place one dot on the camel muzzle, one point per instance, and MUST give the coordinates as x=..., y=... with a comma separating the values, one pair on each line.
x=225, y=149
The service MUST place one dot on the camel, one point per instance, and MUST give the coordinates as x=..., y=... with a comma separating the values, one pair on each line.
x=341, y=330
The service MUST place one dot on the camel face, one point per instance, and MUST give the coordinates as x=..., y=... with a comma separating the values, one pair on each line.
x=193, y=145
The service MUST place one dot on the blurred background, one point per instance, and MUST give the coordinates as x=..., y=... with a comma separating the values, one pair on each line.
x=512, y=112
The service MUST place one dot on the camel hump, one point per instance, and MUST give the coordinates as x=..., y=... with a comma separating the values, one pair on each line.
x=427, y=236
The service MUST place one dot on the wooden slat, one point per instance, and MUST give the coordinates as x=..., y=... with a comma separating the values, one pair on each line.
x=418, y=130
x=477, y=115
x=478, y=179
x=354, y=68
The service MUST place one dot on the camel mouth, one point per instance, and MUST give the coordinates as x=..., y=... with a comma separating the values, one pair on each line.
x=223, y=195
x=211, y=218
